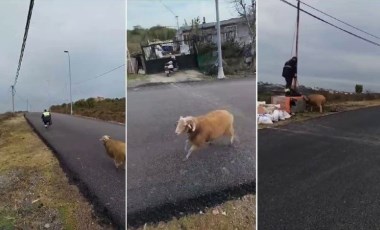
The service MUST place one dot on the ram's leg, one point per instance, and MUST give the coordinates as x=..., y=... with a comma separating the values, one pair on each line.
x=192, y=148
x=320, y=109
x=231, y=133
x=186, y=144
x=119, y=161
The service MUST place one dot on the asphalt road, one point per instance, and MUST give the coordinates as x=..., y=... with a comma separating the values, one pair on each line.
x=156, y=173
x=321, y=174
x=77, y=145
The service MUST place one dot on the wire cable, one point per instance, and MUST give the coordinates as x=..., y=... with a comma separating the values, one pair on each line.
x=80, y=82
x=168, y=8
x=24, y=40
x=329, y=23
x=340, y=20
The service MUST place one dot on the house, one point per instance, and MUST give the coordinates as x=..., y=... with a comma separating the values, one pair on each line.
x=235, y=29
x=99, y=99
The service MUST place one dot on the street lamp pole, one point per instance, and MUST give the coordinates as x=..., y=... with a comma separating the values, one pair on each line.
x=219, y=43
x=71, y=100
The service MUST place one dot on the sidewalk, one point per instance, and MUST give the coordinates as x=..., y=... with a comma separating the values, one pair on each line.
x=135, y=80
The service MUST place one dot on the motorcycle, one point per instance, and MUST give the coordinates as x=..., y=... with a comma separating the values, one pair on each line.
x=47, y=122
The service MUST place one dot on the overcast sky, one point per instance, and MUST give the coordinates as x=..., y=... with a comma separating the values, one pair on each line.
x=148, y=13
x=328, y=57
x=92, y=30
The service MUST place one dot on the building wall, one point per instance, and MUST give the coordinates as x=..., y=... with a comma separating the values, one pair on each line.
x=243, y=34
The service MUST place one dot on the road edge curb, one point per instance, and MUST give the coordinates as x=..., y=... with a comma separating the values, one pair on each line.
x=180, y=208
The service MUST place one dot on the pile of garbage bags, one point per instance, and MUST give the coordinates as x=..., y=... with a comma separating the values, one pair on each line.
x=270, y=113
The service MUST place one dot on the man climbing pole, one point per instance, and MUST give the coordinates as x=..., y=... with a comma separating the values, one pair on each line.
x=289, y=72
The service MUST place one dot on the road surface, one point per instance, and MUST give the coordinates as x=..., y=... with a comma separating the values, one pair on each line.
x=156, y=173
x=77, y=145
x=321, y=174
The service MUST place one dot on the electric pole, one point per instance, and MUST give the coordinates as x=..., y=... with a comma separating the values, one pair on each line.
x=13, y=98
x=298, y=24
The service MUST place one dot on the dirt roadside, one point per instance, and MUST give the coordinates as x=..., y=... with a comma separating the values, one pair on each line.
x=136, y=80
x=34, y=191
x=238, y=214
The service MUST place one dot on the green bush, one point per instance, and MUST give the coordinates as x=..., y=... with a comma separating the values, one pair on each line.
x=231, y=49
x=80, y=104
x=90, y=102
x=358, y=88
x=206, y=48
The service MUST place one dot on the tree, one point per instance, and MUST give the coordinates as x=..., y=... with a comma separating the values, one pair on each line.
x=358, y=88
x=248, y=12
x=90, y=102
x=195, y=32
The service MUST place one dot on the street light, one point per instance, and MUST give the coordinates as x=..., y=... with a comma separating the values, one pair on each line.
x=219, y=43
x=71, y=101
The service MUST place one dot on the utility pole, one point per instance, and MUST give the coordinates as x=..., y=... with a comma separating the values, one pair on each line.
x=27, y=105
x=219, y=43
x=177, y=22
x=13, y=98
x=71, y=100
x=178, y=38
x=298, y=24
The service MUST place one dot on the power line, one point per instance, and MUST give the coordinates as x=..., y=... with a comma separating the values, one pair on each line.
x=24, y=39
x=80, y=82
x=168, y=8
x=340, y=20
x=329, y=23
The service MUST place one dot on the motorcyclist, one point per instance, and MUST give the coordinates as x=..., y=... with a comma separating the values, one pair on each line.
x=171, y=65
x=46, y=118
x=174, y=61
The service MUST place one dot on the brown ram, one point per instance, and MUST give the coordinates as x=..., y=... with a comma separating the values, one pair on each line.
x=206, y=128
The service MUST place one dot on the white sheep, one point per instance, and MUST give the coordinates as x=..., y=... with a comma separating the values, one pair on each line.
x=115, y=149
x=206, y=128
x=315, y=100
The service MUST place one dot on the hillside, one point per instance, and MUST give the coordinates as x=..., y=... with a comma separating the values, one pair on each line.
x=105, y=109
x=266, y=90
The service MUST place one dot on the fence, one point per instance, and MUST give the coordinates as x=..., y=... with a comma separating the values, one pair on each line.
x=156, y=55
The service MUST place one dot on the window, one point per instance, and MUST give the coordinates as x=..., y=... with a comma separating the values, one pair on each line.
x=230, y=33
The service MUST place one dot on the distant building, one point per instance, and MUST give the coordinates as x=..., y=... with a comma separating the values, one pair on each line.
x=99, y=99
x=235, y=29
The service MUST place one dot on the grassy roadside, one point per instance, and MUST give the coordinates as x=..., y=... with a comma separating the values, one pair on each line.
x=238, y=214
x=34, y=191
